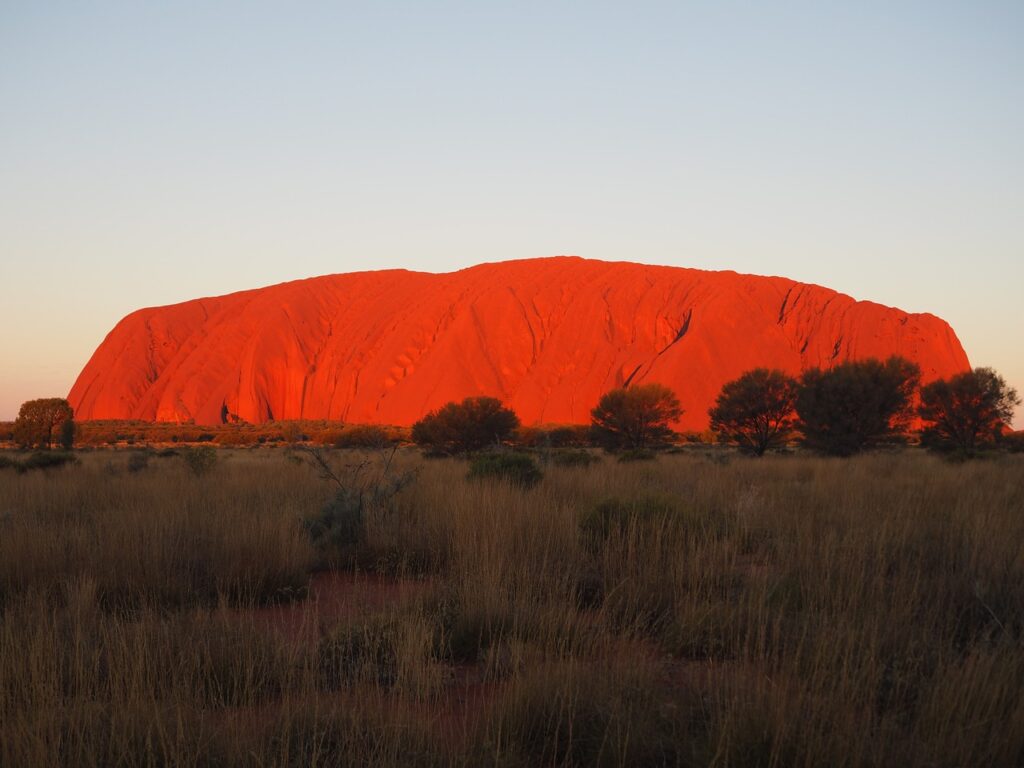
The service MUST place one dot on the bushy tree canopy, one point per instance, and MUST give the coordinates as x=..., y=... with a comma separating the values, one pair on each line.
x=756, y=410
x=634, y=417
x=967, y=411
x=41, y=422
x=471, y=425
x=855, y=405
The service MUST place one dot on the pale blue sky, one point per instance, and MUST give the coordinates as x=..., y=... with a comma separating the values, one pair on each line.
x=151, y=153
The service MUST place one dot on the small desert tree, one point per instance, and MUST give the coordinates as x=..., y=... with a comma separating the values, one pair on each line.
x=756, y=410
x=42, y=421
x=471, y=425
x=855, y=405
x=634, y=417
x=966, y=412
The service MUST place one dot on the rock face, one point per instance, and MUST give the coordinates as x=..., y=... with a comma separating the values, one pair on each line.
x=547, y=336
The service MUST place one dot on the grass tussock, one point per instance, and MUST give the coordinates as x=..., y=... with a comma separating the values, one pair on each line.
x=687, y=611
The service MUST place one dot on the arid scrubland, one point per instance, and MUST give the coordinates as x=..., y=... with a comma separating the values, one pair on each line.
x=699, y=609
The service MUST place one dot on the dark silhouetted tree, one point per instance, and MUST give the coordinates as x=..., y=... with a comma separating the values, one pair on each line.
x=756, y=410
x=856, y=405
x=471, y=425
x=966, y=412
x=634, y=417
x=41, y=422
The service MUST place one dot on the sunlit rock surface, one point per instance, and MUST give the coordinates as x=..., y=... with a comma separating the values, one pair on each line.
x=548, y=336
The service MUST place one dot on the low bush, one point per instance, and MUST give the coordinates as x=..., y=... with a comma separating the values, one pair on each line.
x=199, y=460
x=363, y=436
x=237, y=438
x=364, y=488
x=614, y=515
x=574, y=458
x=138, y=461
x=516, y=468
x=341, y=522
x=46, y=460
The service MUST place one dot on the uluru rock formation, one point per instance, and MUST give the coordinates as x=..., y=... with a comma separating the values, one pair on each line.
x=548, y=336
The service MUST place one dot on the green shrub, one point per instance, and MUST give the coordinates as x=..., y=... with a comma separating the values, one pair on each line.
x=574, y=458
x=200, y=460
x=516, y=468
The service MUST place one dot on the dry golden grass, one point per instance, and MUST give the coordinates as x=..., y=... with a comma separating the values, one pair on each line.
x=696, y=610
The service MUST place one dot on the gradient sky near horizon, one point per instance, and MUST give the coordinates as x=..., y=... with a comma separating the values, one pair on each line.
x=152, y=153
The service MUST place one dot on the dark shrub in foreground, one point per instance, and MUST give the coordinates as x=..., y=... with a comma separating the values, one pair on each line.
x=516, y=468
x=472, y=425
x=967, y=412
x=756, y=410
x=856, y=405
x=634, y=417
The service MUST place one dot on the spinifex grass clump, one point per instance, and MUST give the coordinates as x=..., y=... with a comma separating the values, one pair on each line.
x=573, y=457
x=517, y=468
x=616, y=516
